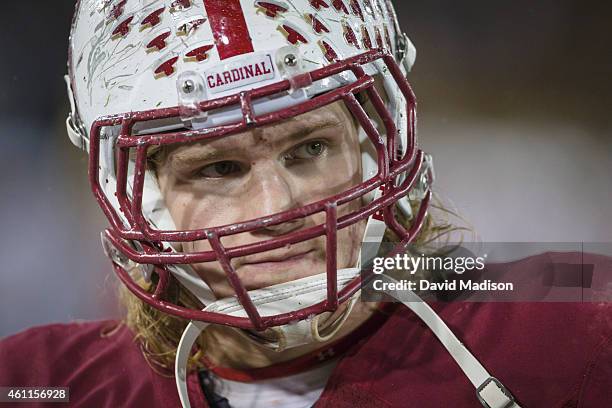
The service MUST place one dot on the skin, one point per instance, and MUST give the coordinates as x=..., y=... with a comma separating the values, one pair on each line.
x=259, y=173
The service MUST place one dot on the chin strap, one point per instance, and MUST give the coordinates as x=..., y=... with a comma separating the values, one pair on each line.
x=288, y=297
x=272, y=300
x=303, y=332
x=490, y=391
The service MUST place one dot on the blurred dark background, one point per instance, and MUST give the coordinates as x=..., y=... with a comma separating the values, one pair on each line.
x=514, y=100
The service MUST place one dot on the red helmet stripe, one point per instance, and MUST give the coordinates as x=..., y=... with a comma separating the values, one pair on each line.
x=229, y=27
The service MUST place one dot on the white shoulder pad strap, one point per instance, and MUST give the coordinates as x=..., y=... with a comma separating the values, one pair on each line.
x=490, y=391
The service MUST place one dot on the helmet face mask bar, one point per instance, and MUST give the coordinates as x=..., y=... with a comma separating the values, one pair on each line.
x=396, y=176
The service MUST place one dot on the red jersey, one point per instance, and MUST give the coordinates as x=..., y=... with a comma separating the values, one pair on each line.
x=547, y=355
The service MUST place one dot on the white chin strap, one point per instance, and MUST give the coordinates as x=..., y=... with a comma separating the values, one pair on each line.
x=287, y=297
x=272, y=300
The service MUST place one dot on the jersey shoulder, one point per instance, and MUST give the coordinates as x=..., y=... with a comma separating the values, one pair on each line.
x=54, y=351
x=99, y=361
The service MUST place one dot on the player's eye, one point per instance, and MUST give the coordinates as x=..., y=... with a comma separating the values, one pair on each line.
x=308, y=150
x=220, y=169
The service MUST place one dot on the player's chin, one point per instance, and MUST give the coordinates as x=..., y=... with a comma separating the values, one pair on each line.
x=264, y=274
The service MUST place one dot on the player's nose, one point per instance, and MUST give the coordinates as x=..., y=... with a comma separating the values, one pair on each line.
x=276, y=193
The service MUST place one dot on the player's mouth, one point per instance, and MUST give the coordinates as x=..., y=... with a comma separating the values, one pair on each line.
x=269, y=270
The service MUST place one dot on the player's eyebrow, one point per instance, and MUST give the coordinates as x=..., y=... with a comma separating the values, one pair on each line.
x=310, y=127
x=195, y=155
x=294, y=132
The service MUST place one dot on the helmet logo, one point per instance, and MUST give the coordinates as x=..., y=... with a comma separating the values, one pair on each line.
x=357, y=9
x=199, y=54
x=317, y=25
x=117, y=11
x=152, y=19
x=317, y=4
x=122, y=29
x=378, y=36
x=340, y=6
x=190, y=26
x=166, y=68
x=158, y=43
x=365, y=35
x=330, y=54
x=271, y=9
x=179, y=5
x=293, y=35
x=349, y=35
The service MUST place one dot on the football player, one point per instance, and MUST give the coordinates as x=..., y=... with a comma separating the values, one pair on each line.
x=247, y=154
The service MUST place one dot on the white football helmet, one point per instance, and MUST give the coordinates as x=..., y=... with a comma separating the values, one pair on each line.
x=145, y=74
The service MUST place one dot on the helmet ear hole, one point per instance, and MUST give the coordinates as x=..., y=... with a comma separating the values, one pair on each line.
x=362, y=98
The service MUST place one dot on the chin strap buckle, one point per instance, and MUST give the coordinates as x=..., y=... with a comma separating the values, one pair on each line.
x=493, y=394
x=76, y=135
x=76, y=132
